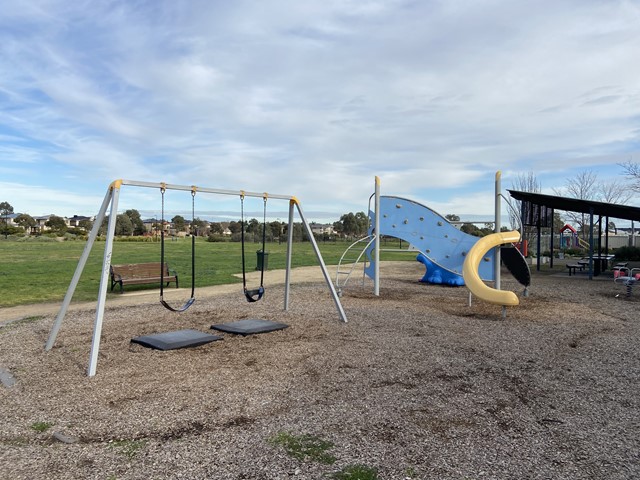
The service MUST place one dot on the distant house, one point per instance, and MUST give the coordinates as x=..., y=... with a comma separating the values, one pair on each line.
x=321, y=228
x=151, y=226
x=41, y=222
x=11, y=219
x=74, y=221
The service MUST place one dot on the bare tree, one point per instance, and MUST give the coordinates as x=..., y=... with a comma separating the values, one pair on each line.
x=527, y=182
x=615, y=192
x=585, y=186
x=524, y=182
x=632, y=171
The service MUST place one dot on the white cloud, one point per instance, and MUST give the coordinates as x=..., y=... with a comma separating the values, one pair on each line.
x=315, y=98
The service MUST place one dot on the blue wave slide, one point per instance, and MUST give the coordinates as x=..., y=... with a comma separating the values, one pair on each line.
x=441, y=245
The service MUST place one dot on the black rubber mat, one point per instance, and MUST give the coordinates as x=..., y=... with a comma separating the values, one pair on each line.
x=249, y=326
x=177, y=339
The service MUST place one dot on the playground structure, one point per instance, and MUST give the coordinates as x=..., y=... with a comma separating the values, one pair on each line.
x=111, y=202
x=450, y=256
x=569, y=238
x=627, y=276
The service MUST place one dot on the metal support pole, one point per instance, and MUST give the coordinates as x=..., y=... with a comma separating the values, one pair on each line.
x=78, y=273
x=287, y=274
x=376, y=246
x=498, y=226
x=325, y=272
x=104, y=282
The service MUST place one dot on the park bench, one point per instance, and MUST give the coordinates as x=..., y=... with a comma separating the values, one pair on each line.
x=141, y=273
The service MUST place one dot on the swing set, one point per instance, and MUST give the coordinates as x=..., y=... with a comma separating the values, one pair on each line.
x=252, y=295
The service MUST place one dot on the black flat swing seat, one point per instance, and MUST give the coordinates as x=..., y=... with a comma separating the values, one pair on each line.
x=249, y=326
x=176, y=339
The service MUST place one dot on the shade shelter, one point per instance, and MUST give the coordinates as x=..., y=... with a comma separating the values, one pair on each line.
x=538, y=209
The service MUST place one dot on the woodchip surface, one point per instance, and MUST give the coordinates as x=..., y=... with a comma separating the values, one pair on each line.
x=416, y=385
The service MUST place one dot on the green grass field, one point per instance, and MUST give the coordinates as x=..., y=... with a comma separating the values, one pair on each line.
x=40, y=271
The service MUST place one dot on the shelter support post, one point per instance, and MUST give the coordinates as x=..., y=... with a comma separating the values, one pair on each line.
x=551, y=239
x=606, y=236
x=538, y=246
x=591, y=243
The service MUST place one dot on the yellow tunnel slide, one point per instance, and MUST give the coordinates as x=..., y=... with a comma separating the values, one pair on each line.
x=472, y=263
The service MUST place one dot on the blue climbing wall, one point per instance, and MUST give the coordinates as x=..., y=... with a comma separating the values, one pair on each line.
x=430, y=233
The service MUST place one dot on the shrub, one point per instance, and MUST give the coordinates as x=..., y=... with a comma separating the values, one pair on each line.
x=216, y=237
x=628, y=253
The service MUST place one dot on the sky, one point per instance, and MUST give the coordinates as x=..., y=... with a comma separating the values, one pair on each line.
x=313, y=99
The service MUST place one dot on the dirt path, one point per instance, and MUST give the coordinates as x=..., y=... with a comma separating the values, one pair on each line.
x=272, y=277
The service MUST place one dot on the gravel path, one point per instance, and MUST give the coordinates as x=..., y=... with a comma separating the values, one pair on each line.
x=416, y=385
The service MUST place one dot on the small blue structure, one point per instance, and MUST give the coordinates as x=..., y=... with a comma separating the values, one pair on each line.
x=436, y=274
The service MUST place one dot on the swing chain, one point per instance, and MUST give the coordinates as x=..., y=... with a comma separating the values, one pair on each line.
x=192, y=299
x=193, y=208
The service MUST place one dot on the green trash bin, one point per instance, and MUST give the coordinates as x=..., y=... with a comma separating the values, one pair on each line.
x=263, y=259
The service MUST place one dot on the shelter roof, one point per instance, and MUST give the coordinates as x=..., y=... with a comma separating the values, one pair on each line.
x=611, y=210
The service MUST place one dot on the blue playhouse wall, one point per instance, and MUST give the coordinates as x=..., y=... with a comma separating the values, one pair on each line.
x=443, y=245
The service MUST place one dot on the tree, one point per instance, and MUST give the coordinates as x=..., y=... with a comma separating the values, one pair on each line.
x=349, y=224
x=452, y=217
x=558, y=221
x=585, y=186
x=178, y=223
x=124, y=225
x=25, y=221
x=235, y=227
x=471, y=229
x=216, y=228
x=614, y=192
x=136, y=221
x=253, y=226
x=276, y=229
x=5, y=210
x=363, y=223
x=299, y=233
x=87, y=225
x=632, y=171
x=198, y=227
x=352, y=224
x=56, y=224
x=525, y=182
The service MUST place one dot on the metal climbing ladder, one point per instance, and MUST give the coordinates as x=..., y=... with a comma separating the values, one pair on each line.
x=349, y=261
